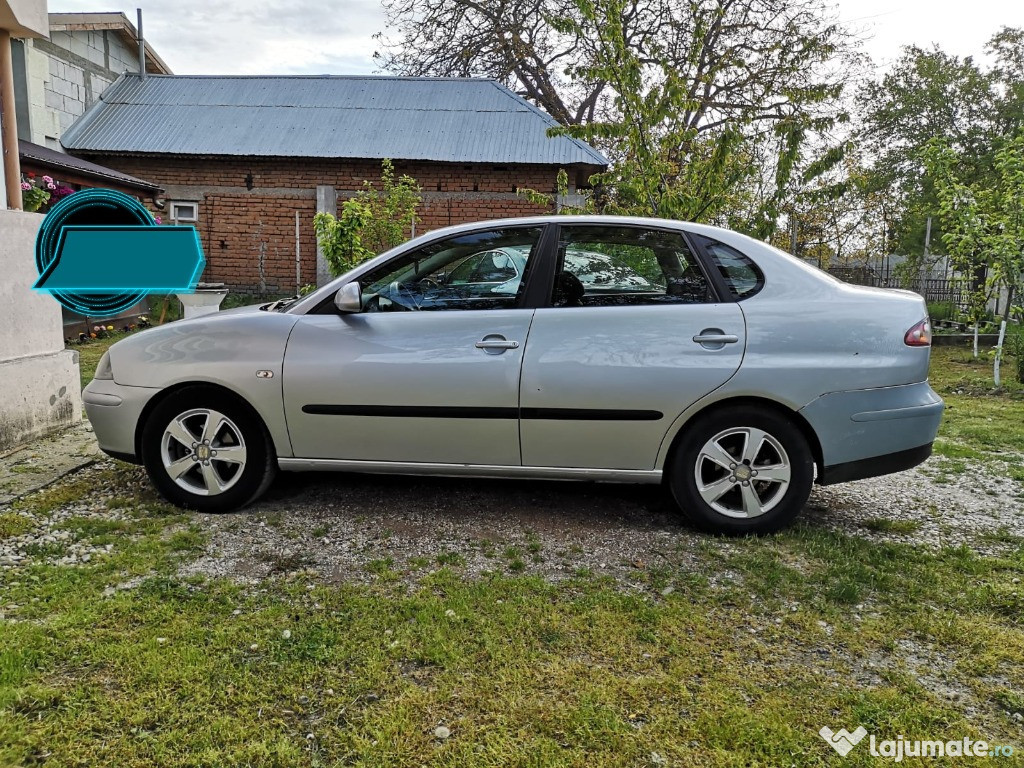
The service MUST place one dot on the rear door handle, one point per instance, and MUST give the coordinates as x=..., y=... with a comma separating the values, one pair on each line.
x=716, y=338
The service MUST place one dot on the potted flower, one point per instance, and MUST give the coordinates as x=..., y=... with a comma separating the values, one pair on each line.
x=36, y=194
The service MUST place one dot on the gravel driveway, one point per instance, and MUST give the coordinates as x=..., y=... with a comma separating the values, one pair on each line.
x=350, y=527
x=346, y=527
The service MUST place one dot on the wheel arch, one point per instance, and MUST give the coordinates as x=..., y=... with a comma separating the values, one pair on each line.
x=813, y=443
x=161, y=396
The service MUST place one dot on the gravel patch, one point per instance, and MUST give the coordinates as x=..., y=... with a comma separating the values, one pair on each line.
x=979, y=508
x=351, y=528
x=348, y=527
x=48, y=538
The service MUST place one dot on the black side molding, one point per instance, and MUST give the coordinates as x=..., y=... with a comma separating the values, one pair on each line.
x=589, y=414
x=414, y=411
x=469, y=412
x=875, y=466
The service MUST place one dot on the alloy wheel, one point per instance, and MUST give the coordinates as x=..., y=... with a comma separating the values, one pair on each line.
x=742, y=472
x=203, y=451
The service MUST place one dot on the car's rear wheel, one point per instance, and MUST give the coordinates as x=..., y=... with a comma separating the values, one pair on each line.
x=741, y=470
x=206, y=450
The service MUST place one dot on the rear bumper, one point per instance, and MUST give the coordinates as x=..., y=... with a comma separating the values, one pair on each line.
x=869, y=432
x=875, y=466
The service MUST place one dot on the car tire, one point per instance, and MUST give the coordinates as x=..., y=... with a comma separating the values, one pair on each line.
x=713, y=473
x=207, y=450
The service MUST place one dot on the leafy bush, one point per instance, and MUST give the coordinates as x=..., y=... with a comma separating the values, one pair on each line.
x=941, y=310
x=369, y=223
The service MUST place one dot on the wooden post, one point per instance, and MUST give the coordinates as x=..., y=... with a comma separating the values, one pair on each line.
x=9, y=124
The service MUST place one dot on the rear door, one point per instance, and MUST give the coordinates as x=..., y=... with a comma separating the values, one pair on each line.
x=633, y=335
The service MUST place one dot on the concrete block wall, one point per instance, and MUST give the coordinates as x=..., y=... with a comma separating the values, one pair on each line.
x=248, y=236
x=41, y=386
x=67, y=74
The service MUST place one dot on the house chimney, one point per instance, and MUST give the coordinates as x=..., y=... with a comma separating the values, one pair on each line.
x=142, y=48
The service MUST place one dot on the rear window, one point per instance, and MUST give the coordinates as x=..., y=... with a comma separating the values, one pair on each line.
x=741, y=275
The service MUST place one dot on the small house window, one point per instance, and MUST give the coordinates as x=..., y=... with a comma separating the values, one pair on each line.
x=184, y=212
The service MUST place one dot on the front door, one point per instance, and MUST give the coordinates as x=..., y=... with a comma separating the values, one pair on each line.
x=634, y=335
x=429, y=370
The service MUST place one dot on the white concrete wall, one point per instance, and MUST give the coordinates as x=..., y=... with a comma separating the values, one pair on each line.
x=39, y=380
x=24, y=17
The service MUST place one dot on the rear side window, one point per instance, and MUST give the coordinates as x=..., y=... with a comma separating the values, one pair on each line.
x=741, y=275
x=606, y=266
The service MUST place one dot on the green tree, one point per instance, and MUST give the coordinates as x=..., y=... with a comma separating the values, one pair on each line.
x=983, y=219
x=369, y=223
x=931, y=94
x=691, y=101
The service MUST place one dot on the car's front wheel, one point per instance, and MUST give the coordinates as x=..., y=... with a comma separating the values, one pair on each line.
x=741, y=470
x=205, y=450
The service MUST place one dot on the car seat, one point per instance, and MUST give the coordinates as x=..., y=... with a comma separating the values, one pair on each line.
x=568, y=290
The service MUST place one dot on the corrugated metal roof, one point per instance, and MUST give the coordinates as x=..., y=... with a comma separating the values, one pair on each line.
x=459, y=120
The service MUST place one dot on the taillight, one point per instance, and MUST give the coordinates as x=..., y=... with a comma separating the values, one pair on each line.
x=919, y=336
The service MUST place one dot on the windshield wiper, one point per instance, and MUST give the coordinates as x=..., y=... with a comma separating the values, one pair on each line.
x=280, y=304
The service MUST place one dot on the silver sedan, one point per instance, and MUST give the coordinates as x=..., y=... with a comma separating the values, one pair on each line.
x=590, y=348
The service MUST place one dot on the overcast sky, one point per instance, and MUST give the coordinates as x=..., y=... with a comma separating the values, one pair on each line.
x=316, y=37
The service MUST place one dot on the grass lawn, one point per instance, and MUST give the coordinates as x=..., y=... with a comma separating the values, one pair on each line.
x=90, y=352
x=737, y=661
x=978, y=425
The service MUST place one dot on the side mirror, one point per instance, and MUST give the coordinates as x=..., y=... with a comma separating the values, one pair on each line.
x=349, y=298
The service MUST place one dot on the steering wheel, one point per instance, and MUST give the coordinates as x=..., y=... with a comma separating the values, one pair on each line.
x=399, y=292
x=429, y=282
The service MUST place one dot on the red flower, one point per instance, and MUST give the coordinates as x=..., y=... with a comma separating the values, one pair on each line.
x=31, y=175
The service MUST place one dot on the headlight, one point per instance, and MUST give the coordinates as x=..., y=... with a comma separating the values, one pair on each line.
x=103, y=369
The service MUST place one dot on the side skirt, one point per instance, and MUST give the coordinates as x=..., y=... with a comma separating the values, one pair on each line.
x=472, y=470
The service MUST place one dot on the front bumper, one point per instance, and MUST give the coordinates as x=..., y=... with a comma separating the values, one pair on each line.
x=870, y=432
x=114, y=410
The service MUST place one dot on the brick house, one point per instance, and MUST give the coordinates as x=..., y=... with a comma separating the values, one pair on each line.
x=250, y=160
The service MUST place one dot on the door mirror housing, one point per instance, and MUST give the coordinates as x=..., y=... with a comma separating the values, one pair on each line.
x=349, y=298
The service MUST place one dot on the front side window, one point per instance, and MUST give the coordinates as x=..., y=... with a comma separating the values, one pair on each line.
x=478, y=270
x=616, y=266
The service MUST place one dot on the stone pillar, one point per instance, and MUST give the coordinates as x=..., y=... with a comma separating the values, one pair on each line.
x=41, y=385
x=326, y=202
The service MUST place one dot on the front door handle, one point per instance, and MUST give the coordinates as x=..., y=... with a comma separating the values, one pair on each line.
x=495, y=344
